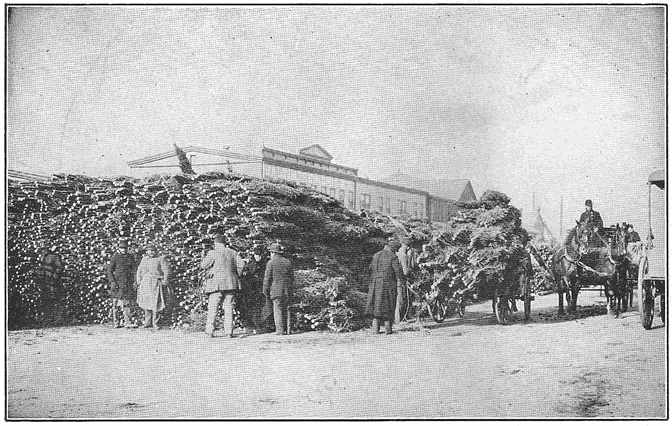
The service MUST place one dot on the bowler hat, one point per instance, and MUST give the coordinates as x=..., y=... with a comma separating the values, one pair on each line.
x=276, y=248
x=589, y=203
x=393, y=243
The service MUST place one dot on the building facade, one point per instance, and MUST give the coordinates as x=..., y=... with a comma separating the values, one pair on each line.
x=313, y=167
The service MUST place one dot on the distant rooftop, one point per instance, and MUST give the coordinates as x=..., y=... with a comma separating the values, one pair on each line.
x=451, y=189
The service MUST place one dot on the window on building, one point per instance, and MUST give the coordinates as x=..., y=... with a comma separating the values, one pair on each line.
x=402, y=207
x=351, y=199
x=381, y=203
x=415, y=209
x=332, y=192
x=341, y=195
x=366, y=201
x=325, y=190
x=388, y=209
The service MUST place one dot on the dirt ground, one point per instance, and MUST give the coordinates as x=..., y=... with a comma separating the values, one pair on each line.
x=588, y=365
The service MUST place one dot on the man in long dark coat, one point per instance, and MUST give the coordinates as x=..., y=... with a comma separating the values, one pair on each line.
x=278, y=282
x=591, y=217
x=50, y=272
x=592, y=220
x=121, y=274
x=251, y=296
x=387, y=278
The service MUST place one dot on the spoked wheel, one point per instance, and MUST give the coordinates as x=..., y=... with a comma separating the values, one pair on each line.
x=662, y=306
x=406, y=304
x=527, y=297
x=437, y=309
x=646, y=300
x=460, y=308
x=503, y=310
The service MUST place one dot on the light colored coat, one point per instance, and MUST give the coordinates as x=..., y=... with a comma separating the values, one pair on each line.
x=224, y=267
x=153, y=272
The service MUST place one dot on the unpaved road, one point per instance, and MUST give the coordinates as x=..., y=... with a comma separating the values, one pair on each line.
x=549, y=367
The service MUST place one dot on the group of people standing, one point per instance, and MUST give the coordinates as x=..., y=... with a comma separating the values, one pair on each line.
x=229, y=281
x=224, y=267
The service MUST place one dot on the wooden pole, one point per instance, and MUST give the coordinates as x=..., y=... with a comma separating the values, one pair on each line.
x=561, y=207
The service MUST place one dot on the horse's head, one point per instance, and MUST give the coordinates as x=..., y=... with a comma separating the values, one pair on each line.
x=619, y=241
x=582, y=235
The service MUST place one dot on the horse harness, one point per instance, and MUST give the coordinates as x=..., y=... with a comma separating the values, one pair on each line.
x=577, y=262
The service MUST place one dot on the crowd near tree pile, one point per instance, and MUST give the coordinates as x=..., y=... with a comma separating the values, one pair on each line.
x=84, y=218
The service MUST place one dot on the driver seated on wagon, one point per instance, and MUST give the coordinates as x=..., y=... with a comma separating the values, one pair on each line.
x=592, y=220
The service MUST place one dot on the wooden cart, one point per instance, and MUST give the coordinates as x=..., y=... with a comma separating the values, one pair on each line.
x=651, y=276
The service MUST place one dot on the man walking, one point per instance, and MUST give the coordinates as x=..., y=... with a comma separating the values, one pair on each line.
x=278, y=280
x=121, y=274
x=50, y=270
x=222, y=281
x=387, y=279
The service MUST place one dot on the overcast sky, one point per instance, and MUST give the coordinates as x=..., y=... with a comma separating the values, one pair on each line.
x=559, y=101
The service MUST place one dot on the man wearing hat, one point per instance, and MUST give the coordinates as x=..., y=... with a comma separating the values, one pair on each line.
x=408, y=258
x=278, y=280
x=222, y=265
x=591, y=217
x=252, y=297
x=50, y=270
x=386, y=280
x=121, y=275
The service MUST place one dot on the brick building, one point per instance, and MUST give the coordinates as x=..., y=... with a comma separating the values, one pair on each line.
x=313, y=166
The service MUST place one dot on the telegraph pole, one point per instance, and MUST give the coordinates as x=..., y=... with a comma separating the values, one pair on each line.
x=561, y=207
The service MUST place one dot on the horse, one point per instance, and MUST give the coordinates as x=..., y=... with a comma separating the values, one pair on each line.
x=564, y=270
x=584, y=255
x=616, y=289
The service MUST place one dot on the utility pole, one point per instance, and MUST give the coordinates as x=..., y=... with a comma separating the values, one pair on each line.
x=561, y=207
x=534, y=209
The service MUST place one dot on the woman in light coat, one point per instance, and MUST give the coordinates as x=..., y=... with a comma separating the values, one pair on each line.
x=153, y=274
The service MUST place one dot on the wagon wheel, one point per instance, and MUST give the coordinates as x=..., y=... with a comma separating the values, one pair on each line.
x=503, y=310
x=662, y=305
x=527, y=297
x=461, y=308
x=437, y=309
x=646, y=301
x=407, y=301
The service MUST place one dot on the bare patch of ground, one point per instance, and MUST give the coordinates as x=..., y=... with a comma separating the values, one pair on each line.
x=585, y=365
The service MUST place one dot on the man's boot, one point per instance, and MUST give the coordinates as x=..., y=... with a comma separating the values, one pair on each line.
x=388, y=327
x=375, y=325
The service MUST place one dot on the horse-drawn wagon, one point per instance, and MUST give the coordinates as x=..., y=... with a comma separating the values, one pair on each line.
x=651, y=274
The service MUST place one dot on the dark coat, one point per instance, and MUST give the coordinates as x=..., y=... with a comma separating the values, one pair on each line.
x=592, y=217
x=121, y=274
x=50, y=269
x=386, y=275
x=279, y=277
